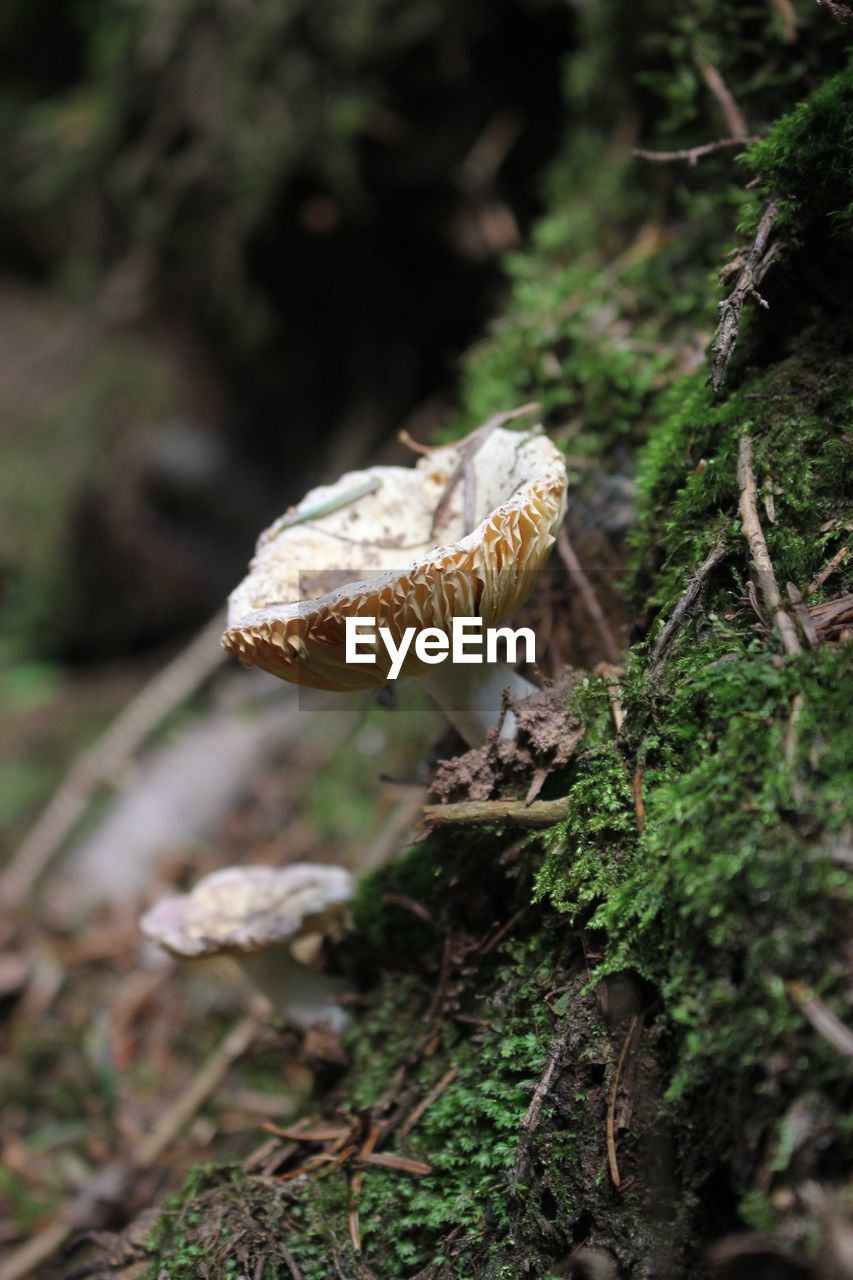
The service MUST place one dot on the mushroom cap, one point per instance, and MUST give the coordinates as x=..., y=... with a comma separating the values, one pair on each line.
x=288, y=615
x=249, y=908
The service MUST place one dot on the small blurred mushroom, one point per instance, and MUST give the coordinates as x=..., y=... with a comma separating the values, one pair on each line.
x=255, y=915
x=471, y=524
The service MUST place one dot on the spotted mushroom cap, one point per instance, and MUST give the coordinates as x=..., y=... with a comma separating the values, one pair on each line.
x=248, y=908
x=394, y=547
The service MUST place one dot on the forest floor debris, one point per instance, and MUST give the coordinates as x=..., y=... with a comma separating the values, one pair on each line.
x=751, y=267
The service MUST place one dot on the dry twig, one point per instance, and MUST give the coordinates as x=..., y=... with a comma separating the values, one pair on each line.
x=684, y=607
x=111, y=1183
x=472, y=445
x=290, y=1262
x=821, y=1017
x=401, y=1164
x=804, y=618
x=834, y=618
x=417, y=909
x=722, y=94
x=759, y=555
x=355, y=1190
x=101, y=762
x=392, y=834
x=691, y=154
x=423, y=1106
x=755, y=267
x=540, y=1094
x=415, y=445
x=204, y=1083
x=489, y=150
x=477, y=813
x=787, y=18
x=590, y=599
x=841, y=10
x=507, y=927
x=612, y=1163
x=820, y=578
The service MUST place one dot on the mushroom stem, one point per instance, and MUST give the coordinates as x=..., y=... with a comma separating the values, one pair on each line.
x=303, y=996
x=472, y=696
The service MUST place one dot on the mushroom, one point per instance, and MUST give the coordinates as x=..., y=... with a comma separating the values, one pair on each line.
x=463, y=533
x=254, y=915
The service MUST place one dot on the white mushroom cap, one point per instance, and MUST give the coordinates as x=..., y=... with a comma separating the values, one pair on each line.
x=246, y=909
x=288, y=615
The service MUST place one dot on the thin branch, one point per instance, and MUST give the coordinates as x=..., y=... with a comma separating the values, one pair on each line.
x=415, y=445
x=490, y=149
x=787, y=18
x=722, y=94
x=820, y=578
x=111, y=1183
x=206, y=1080
x=590, y=599
x=102, y=762
x=401, y=1164
x=612, y=1163
x=478, y=813
x=762, y=565
x=393, y=833
x=822, y=1019
x=501, y=933
x=684, y=607
x=691, y=154
x=540, y=1094
x=423, y=1106
x=841, y=10
x=833, y=617
x=804, y=618
x=756, y=264
x=470, y=447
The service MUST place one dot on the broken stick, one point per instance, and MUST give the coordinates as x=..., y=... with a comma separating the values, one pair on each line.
x=478, y=813
x=684, y=606
x=755, y=267
x=691, y=154
x=762, y=565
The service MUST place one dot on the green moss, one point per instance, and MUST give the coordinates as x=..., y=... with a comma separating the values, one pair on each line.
x=726, y=890
x=798, y=418
x=467, y=1136
x=600, y=315
x=806, y=158
x=582, y=853
x=190, y=1245
x=719, y=898
x=729, y=891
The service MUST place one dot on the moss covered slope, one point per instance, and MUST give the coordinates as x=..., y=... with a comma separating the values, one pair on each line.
x=658, y=958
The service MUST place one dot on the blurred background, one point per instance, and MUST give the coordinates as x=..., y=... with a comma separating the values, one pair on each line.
x=241, y=243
